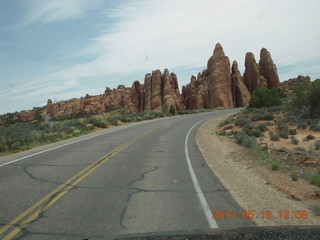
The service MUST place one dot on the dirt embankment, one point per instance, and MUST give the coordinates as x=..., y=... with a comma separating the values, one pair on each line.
x=252, y=184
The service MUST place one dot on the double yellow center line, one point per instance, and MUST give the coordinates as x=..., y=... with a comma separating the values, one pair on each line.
x=35, y=210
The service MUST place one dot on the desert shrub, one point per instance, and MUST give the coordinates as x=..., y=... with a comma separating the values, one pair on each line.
x=268, y=117
x=284, y=134
x=310, y=137
x=225, y=122
x=315, y=126
x=275, y=165
x=283, y=131
x=227, y=127
x=262, y=127
x=242, y=121
x=244, y=140
x=294, y=140
x=113, y=120
x=294, y=175
x=305, y=102
x=315, y=179
x=256, y=133
x=172, y=110
x=292, y=132
x=274, y=109
x=98, y=122
x=258, y=116
x=76, y=133
x=302, y=125
x=222, y=133
x=274, y=136
x=300, y=149
x=264, y=97
x=317, y=145
x=2, y=146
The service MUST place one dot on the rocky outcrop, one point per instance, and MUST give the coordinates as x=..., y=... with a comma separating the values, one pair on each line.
x=135, y=103
x=195, y=94
x=287, y=85
x=219, y=84
x=158, y=93
x=215, y=87
x=240, y=94
x=170, y=92
x=268, y=69
x=252, y=77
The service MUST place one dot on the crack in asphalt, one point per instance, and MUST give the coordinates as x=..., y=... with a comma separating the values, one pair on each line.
x=41, y=215
x=129, y=197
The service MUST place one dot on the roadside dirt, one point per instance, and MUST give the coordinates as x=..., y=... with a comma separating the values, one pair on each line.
x=252, y=184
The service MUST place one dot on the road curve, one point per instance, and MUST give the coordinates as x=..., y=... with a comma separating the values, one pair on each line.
x=145, y=177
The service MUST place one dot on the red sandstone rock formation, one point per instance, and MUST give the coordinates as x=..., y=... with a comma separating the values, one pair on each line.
x=268, y=69
x=219, y=79
x=240, y=94
x=252, y=77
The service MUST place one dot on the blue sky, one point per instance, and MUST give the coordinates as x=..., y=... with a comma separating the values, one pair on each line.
x=60, y=49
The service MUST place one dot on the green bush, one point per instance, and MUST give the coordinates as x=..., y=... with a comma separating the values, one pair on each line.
x=244, y=140
x=268, y=117
x=315, y=126
x=113, y=120
x=275, y=165
x=274, y=109
x=274, y=136
x=225, y=122
x=227, y=127
x=255, y=133
x=257, y=116
x=315, y=179
x=76, y=133
x=317, y=145
x=264, y=97
x=305, y=102
x=309, y=137
x=262, y=127
x=292, y=132
x=302, y=125
x=294, y=140
x=242, y=121
x=294, y=175
x=172, y=110
x=284, y=134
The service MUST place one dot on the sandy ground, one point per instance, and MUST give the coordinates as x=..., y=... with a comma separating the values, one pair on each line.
x=252, y=185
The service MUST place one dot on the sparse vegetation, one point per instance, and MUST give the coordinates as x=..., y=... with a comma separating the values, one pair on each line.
x=294, y=175
x=310, y=137
x=292, y=132
x=274, y=136
x=315, y=179
x=244, y=140
x=294, y=140
x=227, y=127
x=172, y=110
x=302, y=125
x=242, y=122
x=317, y=145
x=275, y=165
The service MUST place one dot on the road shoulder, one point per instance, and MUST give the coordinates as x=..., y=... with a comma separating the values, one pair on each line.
x=247, y=186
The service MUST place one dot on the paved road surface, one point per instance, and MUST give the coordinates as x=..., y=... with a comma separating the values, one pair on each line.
x=145, y=177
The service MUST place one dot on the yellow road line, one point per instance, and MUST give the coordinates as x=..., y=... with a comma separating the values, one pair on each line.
x=75, y=180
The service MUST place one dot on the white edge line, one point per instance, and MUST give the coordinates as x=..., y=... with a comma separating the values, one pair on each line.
x=203, y=202
x=66, y=144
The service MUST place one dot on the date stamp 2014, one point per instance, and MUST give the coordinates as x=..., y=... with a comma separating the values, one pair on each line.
x=267, y=214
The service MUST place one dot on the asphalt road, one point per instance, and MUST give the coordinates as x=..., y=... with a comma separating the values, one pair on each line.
x=144, y=177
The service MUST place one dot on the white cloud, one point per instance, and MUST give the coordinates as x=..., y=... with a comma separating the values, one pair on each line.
x=158, y=34
x=50, y=11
